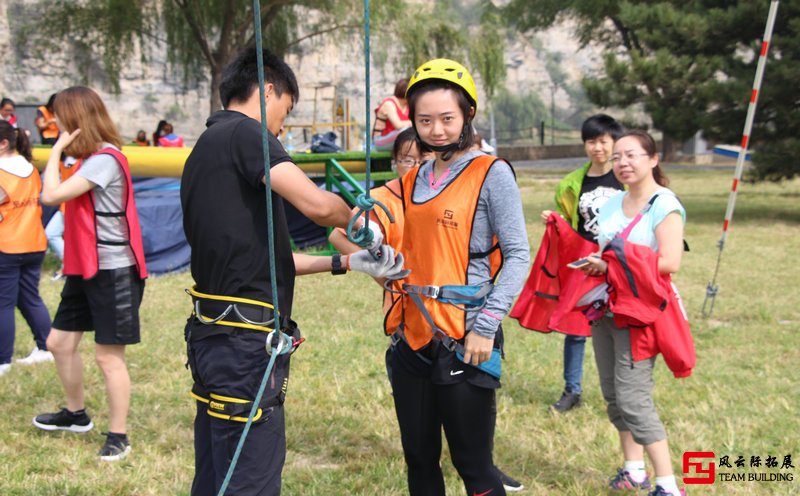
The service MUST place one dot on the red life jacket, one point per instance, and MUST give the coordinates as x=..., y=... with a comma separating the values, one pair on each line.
x=545, y=302
x=171, y=141
x=648, y=304
x=402, y=114
x=80, y=227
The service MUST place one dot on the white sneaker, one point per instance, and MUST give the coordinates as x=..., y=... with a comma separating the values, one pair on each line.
x=5, y=368
x=36, y=356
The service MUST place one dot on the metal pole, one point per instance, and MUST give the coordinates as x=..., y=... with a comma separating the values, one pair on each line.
x=552, y=114
x=492, y=137
x=712, y=289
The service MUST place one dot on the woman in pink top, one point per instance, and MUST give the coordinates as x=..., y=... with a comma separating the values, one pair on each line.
x=391, y=117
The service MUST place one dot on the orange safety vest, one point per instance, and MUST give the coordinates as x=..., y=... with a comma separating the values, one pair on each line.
x=391, y=195
x=21, y=228
x=51, y=131
x=436, y=238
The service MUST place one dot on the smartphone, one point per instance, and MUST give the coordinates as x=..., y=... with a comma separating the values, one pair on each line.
x=577, y=264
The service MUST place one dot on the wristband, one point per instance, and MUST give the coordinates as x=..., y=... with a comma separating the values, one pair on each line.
x=336, y=265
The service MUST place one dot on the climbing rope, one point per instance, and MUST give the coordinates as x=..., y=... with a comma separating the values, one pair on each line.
x=363, y=237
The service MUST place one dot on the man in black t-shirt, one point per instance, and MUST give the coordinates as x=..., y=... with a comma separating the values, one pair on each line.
x=225, y=221
x=579, y=197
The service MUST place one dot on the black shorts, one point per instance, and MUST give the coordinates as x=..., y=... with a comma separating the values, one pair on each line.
x=108, y=304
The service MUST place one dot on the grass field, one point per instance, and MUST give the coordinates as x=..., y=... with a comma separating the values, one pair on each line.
x=743, y=398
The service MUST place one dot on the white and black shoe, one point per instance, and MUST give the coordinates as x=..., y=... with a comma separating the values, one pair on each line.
x=64, y=420
x=510, y=484
x=116, y=447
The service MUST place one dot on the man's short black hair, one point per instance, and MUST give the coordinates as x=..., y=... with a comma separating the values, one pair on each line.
x=240, y=77
x=600, y=124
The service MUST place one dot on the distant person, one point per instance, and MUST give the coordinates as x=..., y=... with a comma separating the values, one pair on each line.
x=103, y=263
x=159, y=132
x=170, y=139
x=7, y=108
x=141, y=139
x=46, y=122
x=22, y=247
x=391, y=117
x=578, y=199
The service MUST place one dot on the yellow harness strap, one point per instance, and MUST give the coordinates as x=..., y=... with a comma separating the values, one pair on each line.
x=232, y=302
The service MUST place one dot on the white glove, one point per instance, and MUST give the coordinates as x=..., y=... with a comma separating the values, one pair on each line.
x=388, y=264
x=377, y=234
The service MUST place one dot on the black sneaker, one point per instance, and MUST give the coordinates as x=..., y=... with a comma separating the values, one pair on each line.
x=510, y=485
x=64, y=420
x=567, y=402
x=116, y=447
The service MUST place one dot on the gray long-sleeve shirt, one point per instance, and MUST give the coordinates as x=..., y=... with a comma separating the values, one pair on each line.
x=499, y=212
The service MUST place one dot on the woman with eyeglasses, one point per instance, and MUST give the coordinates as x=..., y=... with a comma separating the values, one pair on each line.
x=405, y=157
x=650, y=215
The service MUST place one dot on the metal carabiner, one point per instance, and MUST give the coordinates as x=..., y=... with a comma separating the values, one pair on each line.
x=245, y=319
x=205, y=321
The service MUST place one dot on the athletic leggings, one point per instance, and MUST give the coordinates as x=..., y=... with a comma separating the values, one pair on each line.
x=467, y=414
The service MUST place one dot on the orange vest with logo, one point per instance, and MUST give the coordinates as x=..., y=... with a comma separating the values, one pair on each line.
x=51, y=131
x=21, y=228
x=436, y=238
x=391, y=195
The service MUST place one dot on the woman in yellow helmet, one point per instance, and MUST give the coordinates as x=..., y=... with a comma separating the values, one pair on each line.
x=463, y=217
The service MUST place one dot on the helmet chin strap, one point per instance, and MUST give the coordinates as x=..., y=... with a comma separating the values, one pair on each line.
x=448, y=150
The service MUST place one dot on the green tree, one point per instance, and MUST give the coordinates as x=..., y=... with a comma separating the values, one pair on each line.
x=689, y=64
x=200, y=36
x=469, y=31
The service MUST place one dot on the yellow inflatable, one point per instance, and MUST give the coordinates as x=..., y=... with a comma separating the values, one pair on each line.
x=157, y=161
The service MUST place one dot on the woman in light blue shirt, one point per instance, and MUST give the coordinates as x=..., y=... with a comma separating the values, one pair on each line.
x=627, y=384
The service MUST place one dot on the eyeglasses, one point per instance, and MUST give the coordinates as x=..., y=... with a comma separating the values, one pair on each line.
x=408, y=162
x=630, y=156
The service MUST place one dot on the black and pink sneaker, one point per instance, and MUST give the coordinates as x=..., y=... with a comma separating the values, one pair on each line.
x=623, y=481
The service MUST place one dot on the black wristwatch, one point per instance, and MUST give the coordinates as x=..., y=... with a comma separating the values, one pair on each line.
x=336, y=265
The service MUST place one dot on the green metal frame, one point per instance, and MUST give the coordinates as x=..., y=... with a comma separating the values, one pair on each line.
x=339, y=180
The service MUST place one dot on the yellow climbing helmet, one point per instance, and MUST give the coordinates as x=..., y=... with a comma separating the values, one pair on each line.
x=447, y=70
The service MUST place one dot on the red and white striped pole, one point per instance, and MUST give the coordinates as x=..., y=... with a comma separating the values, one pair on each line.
x=711, y=289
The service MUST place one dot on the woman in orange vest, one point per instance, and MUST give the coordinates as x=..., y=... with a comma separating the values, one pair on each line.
x=46, y=122
x=22, y=246
x=103, y=264
x=406, y=157
x=463, y=217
